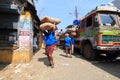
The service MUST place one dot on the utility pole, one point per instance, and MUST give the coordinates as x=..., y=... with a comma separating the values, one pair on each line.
x=76, y=12
x=76, y=21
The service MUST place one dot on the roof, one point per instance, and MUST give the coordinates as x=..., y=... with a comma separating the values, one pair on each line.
x=104, y=8
x=70, y=26
x=16, y=6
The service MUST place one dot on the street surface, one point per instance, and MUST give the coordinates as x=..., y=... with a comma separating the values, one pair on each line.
x=75, y=68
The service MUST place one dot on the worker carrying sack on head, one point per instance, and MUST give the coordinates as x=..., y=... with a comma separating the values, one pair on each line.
x=50, y=20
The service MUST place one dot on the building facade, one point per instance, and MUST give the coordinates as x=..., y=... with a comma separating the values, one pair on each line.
x=19, y=22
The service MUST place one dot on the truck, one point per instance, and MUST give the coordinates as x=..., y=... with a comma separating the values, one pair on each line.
x=99, y=33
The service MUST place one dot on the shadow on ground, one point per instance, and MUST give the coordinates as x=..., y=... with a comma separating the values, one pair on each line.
x=102, y=62
x=3, y=66
x=35, y=51
x=62, y=55
x=44, y=60
x=112, y=67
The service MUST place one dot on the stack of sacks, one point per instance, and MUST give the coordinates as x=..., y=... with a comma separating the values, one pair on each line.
x=72, y=31
x=50, y=20
x=48, y=26
x=48, y=23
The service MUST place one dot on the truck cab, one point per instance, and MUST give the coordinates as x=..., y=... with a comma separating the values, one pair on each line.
x=99, y=32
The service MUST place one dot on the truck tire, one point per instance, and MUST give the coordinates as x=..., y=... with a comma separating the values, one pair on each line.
x=88, y=52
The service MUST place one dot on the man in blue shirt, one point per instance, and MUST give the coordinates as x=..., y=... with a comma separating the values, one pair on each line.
x=68, y=44
x=49, y=41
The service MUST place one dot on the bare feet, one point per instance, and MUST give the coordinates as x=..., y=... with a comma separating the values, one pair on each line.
x=70, y=56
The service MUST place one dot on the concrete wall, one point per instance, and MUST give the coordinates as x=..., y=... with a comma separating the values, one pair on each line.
x=24, y=52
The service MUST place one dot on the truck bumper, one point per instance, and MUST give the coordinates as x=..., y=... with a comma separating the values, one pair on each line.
x=110, y=48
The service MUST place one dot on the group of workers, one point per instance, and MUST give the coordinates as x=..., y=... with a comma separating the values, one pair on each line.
x=51, y=42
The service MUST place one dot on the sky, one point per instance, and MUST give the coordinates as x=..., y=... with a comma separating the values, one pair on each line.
x=65, y=9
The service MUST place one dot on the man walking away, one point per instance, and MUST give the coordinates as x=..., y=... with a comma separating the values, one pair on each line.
x=68, y=44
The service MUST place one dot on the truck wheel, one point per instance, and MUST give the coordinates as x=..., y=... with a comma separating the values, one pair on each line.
x=88, y=52
x=112, y=56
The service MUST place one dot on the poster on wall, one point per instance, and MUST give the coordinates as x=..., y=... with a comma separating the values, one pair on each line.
x=25, y=23
x=24, y=40
x=26, y=33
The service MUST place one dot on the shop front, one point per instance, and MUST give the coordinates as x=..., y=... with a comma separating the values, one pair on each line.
x=17, y=27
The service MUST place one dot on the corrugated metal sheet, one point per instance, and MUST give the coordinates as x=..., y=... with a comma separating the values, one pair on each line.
x=8, y=2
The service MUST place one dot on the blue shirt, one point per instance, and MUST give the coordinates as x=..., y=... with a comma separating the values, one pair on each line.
x=72, y=40
x=67, y=41
x=49, y=38
x=56, y=41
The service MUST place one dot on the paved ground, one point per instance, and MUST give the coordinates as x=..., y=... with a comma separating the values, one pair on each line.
x=75, y=68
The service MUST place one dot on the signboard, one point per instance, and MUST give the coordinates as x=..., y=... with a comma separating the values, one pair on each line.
x=24, y=40
x=76, y=22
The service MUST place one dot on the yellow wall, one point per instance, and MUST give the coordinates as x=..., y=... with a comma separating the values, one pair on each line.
x=15, y=56
x=22, y=54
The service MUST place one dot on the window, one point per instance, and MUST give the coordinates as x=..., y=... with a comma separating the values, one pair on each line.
x=8, y=37
x=89, y=21
x=107, y=19
x=8, y=30
x=119, y=17
x=82, y=23
x=95, y=21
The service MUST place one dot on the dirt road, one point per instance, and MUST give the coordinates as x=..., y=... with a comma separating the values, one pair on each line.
x=75, y=68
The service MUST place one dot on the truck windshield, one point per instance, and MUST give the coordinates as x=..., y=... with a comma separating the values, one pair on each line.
x=107, y=19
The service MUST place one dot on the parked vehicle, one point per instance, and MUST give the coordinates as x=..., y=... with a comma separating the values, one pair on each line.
x=99, y=32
